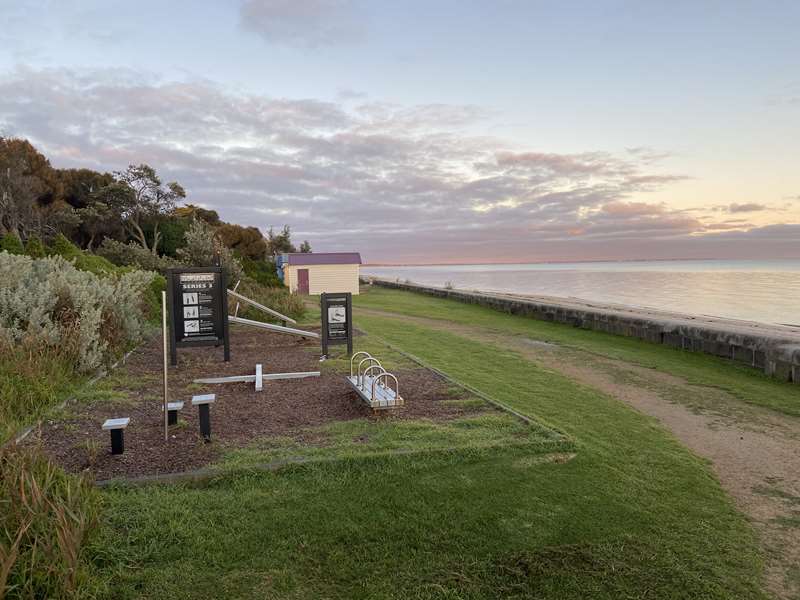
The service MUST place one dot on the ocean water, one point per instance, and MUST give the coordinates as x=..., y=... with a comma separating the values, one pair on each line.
x=759, y=290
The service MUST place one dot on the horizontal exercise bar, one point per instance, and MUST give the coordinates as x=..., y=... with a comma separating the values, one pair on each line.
x=252, y=378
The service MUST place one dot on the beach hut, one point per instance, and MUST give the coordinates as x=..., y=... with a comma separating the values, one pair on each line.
x=318, y=272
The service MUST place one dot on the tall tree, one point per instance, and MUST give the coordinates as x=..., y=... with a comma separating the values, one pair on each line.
x=192, y=211
x=247, y=241
x=27, y=184
x=280, y=243
x=151, y=202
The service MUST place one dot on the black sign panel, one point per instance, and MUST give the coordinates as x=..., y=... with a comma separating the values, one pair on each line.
x=337, y=320
x=198, y=307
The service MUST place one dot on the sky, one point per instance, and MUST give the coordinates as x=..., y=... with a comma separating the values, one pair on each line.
x=436, y=131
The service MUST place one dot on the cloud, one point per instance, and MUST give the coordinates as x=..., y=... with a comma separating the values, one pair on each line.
x=304, y=23
x=747, y=207
x=395, y=182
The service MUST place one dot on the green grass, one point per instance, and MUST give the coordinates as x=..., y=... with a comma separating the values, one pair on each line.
x=741, y=381
x=362, y=437
x=31, y=383
x=633, y=515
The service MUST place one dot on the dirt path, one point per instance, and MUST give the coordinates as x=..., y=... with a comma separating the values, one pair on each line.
x=754, y=452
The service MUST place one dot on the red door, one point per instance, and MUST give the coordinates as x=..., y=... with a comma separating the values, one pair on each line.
x=302, y=281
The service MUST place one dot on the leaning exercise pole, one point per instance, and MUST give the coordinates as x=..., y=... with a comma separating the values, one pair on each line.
x=260, y=307
x=271, y=327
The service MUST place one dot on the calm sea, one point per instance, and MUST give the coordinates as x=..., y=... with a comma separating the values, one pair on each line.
x=763, y=290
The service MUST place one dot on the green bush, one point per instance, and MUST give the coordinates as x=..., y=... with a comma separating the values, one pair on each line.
x=49, y=303
x=151, y=302
x=279, y=299
x=134, y=255
x=84, y=261
x=64, y=248
x=202, y=247
x=46, y=519
x=261, y=271
x=35, y=248
x=11, y=244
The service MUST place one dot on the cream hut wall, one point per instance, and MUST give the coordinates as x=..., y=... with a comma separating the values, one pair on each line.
x=315, y=273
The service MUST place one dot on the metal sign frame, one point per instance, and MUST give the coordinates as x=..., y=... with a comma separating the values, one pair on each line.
x=176, y=294
x=333, y=330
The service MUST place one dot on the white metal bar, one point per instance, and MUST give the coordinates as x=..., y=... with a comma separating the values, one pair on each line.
x=259, y=379
x=271, y=327
x=232, y=379
x=260, y=307
x=300, y=375
x=236, y=287
x=252, y=378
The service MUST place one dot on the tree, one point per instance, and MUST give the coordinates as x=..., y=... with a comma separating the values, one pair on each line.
x=95, y=219
x=80, y=186
x=151, y=202
x=305, y=247
x=280, y=243
x=27, y=182
x=202, y=247
x=246, y=241
x=191, y=211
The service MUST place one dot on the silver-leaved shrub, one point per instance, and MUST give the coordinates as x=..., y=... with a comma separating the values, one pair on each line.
x=48, y=302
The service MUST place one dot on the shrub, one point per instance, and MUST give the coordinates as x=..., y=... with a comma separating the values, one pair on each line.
x=134, y=255
x=201, y=248
x=34, y=247
x=151, y=302
x=11, y=243
x=51, y=303
x=261, y=271
x=64, y=248
x=46, y=519
x=84, y=261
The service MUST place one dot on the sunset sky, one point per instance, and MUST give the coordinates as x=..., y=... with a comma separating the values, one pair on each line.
x=434, y=131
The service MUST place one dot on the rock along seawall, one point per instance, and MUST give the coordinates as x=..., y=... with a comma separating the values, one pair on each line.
x=775, y=349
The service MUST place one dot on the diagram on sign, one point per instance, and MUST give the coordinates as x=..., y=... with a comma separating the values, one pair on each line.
x=190, y=298
x=191, y=326
x=337, y=314
x=191, y=312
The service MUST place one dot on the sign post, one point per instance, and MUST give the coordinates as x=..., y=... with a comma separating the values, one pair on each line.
x=166, y=369
x=337, y=321
x=198, y=308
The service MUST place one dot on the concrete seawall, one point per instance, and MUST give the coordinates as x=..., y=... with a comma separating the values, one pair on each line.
x=775, y=349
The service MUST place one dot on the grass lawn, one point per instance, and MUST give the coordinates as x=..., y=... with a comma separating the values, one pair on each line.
x=743, y=382
x=632, y=515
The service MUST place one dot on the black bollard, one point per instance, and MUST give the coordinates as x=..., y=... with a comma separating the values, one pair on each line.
x=205, y=422
x=172, y=417
x=117, y=428
x=202, y=403
x=117, y=441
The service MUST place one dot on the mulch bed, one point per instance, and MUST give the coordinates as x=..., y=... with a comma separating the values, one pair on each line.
x=239, y=416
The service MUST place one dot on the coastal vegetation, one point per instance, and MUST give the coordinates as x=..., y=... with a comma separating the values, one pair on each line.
x=82, y=258
x=628, y=512
x=613, y=506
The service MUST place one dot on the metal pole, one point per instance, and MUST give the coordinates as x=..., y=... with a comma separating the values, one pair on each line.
x=166, y=389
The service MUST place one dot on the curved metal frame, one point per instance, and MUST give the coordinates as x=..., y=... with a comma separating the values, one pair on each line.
x=366, y=371
x=360, y=378
x=352, y=358
x=396, y=385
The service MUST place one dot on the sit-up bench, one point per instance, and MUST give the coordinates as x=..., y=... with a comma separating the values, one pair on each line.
x=371, y=381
